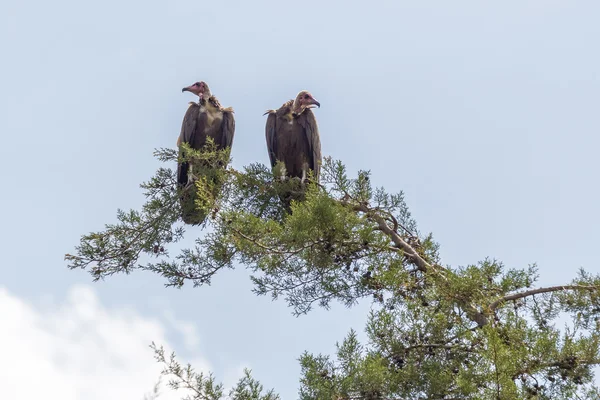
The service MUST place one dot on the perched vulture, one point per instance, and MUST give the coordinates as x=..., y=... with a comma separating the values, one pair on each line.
x=293, y=137
x=204, y=119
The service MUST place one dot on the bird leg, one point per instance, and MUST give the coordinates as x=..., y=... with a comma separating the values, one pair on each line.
x=283, y=173
x=191, y=176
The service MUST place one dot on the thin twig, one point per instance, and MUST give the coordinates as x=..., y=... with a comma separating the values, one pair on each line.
x=271, y=249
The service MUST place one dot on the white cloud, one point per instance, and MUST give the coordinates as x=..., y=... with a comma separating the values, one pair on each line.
x=79, y=349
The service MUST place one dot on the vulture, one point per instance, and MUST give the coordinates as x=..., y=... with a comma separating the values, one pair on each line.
x=204, y=119
x=293, y=138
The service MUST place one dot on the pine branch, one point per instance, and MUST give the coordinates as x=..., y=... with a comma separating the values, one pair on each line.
x=521, y=295
x=422, y=265
x=413, y=256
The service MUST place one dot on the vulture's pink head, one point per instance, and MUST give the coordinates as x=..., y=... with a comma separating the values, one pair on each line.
x=305, y=100
x=200, y=89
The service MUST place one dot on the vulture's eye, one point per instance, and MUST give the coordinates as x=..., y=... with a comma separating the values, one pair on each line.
x=306, y=96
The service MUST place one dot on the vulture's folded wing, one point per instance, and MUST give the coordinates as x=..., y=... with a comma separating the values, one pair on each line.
x=311, y=129
x=188, y=126
x=271, y=137
x=228, y=129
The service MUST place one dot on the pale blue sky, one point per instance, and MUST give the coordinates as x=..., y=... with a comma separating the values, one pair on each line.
x=486, y=115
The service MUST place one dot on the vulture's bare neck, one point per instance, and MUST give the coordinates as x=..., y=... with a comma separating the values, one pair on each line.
x=203, y=99
x=297, y=108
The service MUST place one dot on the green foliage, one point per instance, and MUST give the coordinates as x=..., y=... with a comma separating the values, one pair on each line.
x=204, y=387
x=207, y=168
x=119, y=247
x=435, y=332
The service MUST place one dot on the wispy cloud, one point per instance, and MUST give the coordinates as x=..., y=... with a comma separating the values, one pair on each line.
x=80, y=349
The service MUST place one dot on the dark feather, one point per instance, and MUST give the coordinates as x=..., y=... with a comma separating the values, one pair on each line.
x=271, y=139
x=311, y=130
x=188, y=132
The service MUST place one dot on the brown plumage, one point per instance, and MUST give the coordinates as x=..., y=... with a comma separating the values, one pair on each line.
x=293, y=137
x=204, y=119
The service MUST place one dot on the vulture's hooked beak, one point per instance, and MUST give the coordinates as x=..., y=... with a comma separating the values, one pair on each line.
x=316, y=103
x=185, y=89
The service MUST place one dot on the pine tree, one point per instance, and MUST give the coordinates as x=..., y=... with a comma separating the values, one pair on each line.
x=437, y=332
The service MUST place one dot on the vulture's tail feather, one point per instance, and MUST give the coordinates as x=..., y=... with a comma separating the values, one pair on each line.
x=182, y=174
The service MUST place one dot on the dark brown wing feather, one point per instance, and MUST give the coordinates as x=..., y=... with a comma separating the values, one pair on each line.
x=271, y=137
x=188, y=126
x=188, y=135
x=227, y=129
x=308, y=121
x=271, y=127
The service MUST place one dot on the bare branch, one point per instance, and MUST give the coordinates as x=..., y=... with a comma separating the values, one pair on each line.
x=421, y=264
x=396, y=238
x=520, y=295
